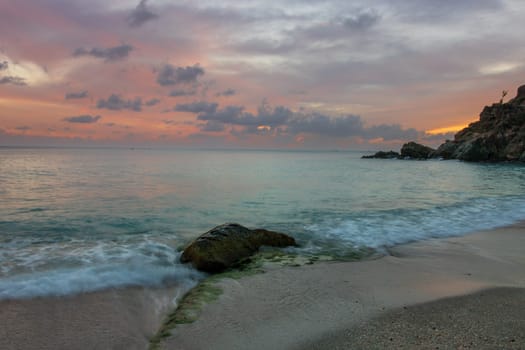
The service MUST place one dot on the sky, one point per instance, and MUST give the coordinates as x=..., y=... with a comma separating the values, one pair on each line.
x=333, y=74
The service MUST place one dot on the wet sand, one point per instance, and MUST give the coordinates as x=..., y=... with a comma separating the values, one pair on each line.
x=321, y=306
x=114, y=319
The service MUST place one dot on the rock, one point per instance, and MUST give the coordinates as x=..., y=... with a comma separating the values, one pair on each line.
x=383, y=155
x=413, y=150
x=446, y=150
x=499, y=135
x=520, y=96
x=226, y=245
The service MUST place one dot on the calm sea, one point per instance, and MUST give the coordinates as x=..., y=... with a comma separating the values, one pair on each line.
x=75, y=220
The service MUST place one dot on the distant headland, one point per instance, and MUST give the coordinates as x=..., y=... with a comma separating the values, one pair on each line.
x=498, y=136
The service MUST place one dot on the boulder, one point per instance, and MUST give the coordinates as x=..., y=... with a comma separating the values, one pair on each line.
x=383, y=155
x=446, y=150
x=226, y=245
x=413, y=150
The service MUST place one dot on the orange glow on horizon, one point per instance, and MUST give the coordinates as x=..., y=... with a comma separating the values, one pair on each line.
x=446, y=129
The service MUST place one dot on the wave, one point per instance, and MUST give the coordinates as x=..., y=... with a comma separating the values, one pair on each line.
x=70, y=268
x=391, y=227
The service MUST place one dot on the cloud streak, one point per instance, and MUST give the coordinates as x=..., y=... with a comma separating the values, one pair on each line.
x=18, y=81
x=110, y=54
x=117, y=103
x=197, y=107
x=83, y=119
x=152, y=102
x=179, y=93
x=76, y=95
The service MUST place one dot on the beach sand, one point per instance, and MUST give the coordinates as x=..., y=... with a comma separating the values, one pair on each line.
x=455, y=293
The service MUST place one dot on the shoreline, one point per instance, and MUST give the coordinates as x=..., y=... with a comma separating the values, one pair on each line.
x=284, y=308
x=302, y=307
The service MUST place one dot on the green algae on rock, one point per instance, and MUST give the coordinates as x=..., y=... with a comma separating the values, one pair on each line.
x=226, y=245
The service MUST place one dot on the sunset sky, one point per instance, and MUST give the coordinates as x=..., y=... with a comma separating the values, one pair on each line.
x=253, y=74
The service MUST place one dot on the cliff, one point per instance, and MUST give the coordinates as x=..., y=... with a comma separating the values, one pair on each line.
x=499, y=135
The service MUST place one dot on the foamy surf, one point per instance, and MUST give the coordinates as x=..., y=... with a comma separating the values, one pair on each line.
x=391, y=227
x=103, y=266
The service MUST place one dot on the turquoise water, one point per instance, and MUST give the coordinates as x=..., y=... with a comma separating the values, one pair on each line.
x=75, y=220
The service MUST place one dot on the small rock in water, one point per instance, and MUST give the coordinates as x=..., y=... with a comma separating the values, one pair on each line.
x=226, y=245
x=383, y=155
x=413, y=150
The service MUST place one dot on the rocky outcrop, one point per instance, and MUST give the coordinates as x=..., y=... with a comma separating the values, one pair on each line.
x=413, y=150
x=499, y=135
x=410, y=150
x=226, y=245
x=383, y=155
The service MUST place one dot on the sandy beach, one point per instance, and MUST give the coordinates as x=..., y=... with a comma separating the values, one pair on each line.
x=454, y=293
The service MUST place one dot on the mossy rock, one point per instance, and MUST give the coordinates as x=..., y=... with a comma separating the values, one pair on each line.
x=226, y=245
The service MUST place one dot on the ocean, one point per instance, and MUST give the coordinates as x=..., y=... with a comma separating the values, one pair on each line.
x=80, y=220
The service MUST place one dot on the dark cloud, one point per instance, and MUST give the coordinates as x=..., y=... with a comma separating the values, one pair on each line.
x=362, y=21
x=152, y=102
x=140, y=15
x=350, y=125
x=169, y=121
x=228, y=114
x=109, y=54
x=23, y=128
x=391, y=132
x=83, y=119
x=178, y=93
x=227, y=92
x=279, y=115
x=280, y=120
x=4, y=65
x=171, y=75
x=110, y=124
x=116, y=103
x=212, y=126
x=347, y=126
x=236, y=115
x=438, y=138
x=13, y=80
x=76, y=95
x=197, y=107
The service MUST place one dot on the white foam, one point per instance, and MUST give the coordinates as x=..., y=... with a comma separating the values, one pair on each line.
x=91, y=278
x=77, y=267
x=389, y=228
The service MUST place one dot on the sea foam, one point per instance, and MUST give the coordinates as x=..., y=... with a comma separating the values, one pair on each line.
x=390, y=227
